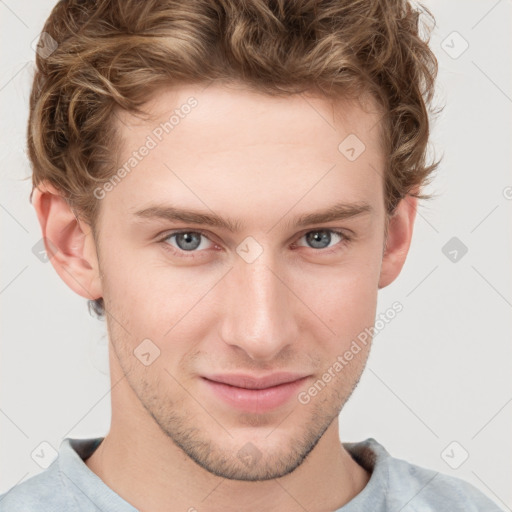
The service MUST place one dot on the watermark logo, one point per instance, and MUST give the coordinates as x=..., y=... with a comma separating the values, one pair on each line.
x=44, y=454
x=44, y=45
x=152, y=140
x=249, y=454
x=454, y=45
x=455, y=455
x=351, y=147
x=342, y=360
x=454, y=249
x=44, y=250
x=249, y=249
x=147, y=352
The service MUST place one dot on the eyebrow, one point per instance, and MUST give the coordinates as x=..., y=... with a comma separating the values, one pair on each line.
x=336, y=212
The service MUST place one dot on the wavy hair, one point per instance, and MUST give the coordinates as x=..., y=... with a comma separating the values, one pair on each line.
x=112, y=54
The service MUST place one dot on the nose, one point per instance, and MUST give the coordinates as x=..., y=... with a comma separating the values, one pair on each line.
x=260, y=310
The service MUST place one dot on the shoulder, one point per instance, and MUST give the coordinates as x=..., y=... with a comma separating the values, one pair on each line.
x=437, y=491
x=42, y=492
x=412, y=488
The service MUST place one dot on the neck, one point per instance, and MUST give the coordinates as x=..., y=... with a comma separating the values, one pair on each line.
x=148, y=471
x=139, y=462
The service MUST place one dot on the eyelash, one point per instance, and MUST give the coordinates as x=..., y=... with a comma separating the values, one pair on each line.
x=346, y=239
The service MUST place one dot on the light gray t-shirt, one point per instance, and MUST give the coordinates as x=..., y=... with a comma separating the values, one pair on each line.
x=68, y=485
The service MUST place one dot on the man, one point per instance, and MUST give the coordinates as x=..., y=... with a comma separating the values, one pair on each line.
x=231, y=183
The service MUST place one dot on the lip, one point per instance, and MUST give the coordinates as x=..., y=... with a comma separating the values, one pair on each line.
x=255, y=394
x=251, y=382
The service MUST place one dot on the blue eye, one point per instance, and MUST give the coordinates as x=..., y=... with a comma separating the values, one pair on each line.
x=321, y=238
x=186, y=241
x=189, y=243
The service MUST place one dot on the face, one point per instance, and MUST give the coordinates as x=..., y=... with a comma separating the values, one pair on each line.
x=266, y=289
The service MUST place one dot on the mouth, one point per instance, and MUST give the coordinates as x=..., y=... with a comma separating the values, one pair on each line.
x=255, y=394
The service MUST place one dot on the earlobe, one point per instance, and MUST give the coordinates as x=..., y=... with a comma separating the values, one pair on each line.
x=400, y=229
x=69, y=243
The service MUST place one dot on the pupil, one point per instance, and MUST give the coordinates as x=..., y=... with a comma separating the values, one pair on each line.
x=189, y=242
x=319, y=239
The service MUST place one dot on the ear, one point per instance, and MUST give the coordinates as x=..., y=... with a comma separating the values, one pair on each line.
x=69, y=242
x=398, y=240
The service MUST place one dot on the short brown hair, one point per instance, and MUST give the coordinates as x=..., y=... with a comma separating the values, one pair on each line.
x=112, y=53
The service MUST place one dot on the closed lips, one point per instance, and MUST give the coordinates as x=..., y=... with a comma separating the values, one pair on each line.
x=251, y=382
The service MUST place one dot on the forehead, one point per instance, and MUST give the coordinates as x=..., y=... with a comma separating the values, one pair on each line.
x=224, y=147
x=217, y=110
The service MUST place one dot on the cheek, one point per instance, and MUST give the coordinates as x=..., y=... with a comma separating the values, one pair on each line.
x=345, y=298
x=130, y=288
x=349, y=306
x=152, y=296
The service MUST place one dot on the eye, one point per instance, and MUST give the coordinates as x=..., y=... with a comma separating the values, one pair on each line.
x=182, y=242
x=185, y=241
x=321, y=238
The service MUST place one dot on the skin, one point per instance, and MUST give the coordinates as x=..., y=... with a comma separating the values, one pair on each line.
x=262, y=161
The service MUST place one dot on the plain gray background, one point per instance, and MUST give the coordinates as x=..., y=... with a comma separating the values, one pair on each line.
x=438, y=382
